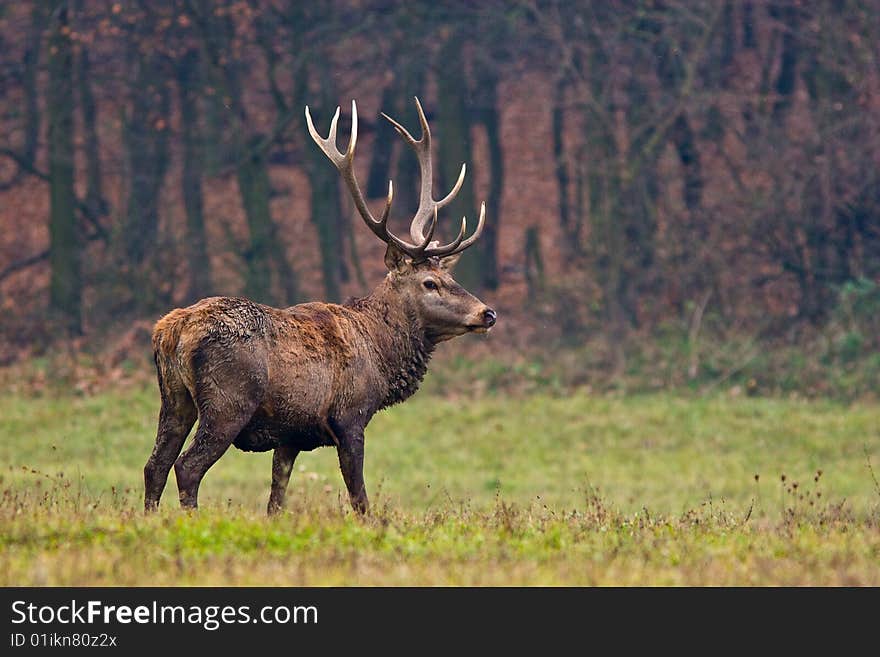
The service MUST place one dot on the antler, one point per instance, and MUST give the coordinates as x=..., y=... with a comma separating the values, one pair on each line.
x=426, y=215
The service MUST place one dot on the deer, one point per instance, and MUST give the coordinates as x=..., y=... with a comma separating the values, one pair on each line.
x=314, y=374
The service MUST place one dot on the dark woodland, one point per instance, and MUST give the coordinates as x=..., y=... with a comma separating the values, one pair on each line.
x=678, y=192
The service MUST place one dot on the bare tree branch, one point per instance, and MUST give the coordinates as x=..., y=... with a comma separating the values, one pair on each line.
x=86, y=212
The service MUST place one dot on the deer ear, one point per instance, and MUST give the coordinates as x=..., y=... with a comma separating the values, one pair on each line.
x=395, y=259
x=448, y=263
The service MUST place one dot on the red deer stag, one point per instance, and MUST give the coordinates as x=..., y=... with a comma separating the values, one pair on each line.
x=298, y=378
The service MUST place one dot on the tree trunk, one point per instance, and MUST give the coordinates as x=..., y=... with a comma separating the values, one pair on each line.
x=454, y=149
x=569, y=244
x=748, y=25
x=94, y=200
x=685, y=144
x=191, y=181
x=66, y=281
x=380, y=164
x=787, y=77
x=265, y=249
x=147, y=144
x=253, y=186
x=728, y=41
x=534, y=263
x=406, y=178
x=286, y=275
x=29, y=82
x=326, y=208
x=488, y=84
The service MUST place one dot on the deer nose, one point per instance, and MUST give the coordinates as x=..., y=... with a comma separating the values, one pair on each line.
x=489, y=317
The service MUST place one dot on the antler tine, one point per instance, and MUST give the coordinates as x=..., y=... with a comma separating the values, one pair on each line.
x=446, y=200
x=459, y=244
x=343, y=162
x=431, y=228
x=383, y=220
x=327, y=145
x=331, y=138
x=415, y=251
x=448, y=249
x=426, y=129
x=422, y=148
x=479, y=231
x=418, y=251
x=352, y=140
x=426, y=215
x=403, y=132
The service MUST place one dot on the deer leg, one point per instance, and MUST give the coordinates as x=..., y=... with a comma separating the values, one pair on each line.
x=176, y=418
x=213, y=437
x=351, y=462
x=282, y=465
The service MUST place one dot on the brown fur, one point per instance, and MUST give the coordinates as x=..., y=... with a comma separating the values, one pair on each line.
x=298, y=378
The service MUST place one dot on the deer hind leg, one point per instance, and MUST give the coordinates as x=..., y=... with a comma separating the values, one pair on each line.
x=227, y=394
x=176, y=418
x=215, y=434
x=282, y=465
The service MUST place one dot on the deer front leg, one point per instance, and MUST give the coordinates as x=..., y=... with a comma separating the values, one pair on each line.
x=282, y=465
x=351, y=461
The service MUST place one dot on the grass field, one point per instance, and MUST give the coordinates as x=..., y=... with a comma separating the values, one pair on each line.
x=493, y=489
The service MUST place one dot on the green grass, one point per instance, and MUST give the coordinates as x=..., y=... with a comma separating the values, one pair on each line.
x=492, y=489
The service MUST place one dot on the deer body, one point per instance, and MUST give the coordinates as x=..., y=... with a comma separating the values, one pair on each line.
x=312, y=367
x=294, y=379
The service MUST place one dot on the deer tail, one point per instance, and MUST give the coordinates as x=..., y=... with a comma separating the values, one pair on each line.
x=166, y=334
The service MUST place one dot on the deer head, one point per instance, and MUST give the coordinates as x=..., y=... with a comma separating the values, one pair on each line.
x=420, y=271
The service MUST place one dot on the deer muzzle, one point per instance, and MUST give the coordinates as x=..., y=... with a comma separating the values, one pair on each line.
x=487, y=320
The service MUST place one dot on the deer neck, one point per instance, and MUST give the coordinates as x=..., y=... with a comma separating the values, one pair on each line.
x=401, y=343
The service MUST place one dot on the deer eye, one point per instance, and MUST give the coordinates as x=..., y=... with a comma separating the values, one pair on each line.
x=430, y=285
